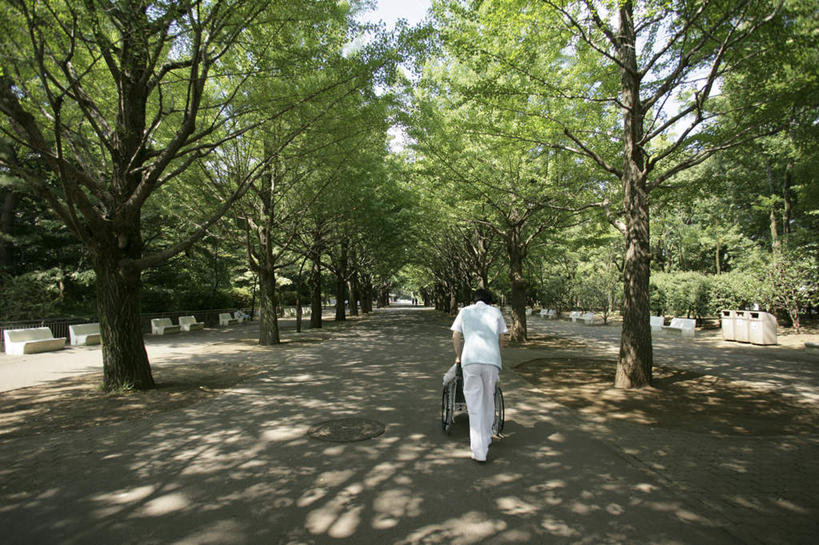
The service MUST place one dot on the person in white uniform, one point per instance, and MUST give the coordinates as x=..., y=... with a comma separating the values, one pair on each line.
x=482, y=327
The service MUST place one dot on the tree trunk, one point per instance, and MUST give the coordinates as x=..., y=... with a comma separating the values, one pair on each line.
x=315, y=294
x=787, y=201
x=636, y=359
x=268, y=301
x=634, y=367
x=7, y=208
x=253, y=296
x=517, y=330
x=719, y=263
x=341, y=283
x=367, y=294
x=298, y=304
x=775, y=245
x=299, y=287
x=124, y=359
x=383, y=299
x=354, y=295
x=341, y=295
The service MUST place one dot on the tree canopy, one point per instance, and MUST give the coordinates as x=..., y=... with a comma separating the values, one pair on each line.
x=624, y=157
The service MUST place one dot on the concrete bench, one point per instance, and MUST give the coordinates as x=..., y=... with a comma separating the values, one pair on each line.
x=189, y=323
x=549, y=314
x=657, y=323
x=683, y=326
x=575, y=315
x=84, y=334
x=241, y=316
x=163, y=326
x=31, y=341
x=226, y=319
x=811, y=346
x=588, y=318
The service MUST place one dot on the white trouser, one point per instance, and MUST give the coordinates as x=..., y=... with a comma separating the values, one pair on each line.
x=479, y=391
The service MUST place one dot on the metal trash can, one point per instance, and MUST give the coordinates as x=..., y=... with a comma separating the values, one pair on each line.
x=728, y=322
x=741, y=321
x=762, y=328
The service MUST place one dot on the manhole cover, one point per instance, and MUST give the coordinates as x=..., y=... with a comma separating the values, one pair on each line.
x=346, y=430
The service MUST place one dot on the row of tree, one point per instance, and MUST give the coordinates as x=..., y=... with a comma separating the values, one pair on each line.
x=560, y=152
x=145, y=127
x=547, y=127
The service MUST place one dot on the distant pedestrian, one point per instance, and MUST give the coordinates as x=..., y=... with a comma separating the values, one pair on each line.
x=482, y=327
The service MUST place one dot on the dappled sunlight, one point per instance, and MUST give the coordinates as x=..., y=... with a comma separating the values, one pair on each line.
x=471, y=527
x=165, y=505
x=678, y=399
x=391, y=506
x=217, y=533
x=512, y=505
x=558, y=527
x=283, y=433
x=787, y=368
x=242, y=465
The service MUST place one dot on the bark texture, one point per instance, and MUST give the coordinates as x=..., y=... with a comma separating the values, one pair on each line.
x=517, y=327
x=124, y=359
x=636, y=359
x=268, y=301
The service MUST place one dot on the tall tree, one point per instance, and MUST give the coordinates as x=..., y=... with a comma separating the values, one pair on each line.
x=118, y=99
x=512, y=188
x=310, y=145
x=586, y=67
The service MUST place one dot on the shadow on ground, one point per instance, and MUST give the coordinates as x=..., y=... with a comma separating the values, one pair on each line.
x=78, y=402
x=678, y=399
x=240, y=467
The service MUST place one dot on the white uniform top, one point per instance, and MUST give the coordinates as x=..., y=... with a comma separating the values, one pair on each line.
x=481, y=326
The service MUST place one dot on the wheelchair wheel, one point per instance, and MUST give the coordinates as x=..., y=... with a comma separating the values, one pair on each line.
x=446, y=409
x=500, y=412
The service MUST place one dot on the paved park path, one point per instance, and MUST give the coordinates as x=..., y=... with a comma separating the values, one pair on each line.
x=241, y=468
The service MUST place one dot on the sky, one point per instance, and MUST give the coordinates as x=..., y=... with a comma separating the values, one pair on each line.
x=390, y=11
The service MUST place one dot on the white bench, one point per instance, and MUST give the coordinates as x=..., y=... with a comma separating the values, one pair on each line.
x=588, y=318
x=241, y=316
x=226, y=319
x=163, y=326
x=528, y=312
x=84, y=334
x=548, y=314
x=189, y=323
x=657, y=323
x=811, y=346
x=683, y=326
x=575, y=315
x=31, y=341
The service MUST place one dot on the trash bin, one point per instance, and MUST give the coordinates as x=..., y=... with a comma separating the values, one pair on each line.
x=741, y=320
x=728, y=322
x=762, y=328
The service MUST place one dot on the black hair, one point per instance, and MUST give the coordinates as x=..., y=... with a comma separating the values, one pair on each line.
x=484, y=295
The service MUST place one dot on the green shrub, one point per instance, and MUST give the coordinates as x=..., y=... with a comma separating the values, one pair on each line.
x=557, y=293
x=31, y=295
x=735, y=290
x=680, y=293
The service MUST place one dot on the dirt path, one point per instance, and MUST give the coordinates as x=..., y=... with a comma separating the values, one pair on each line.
x=240, y=465
x=733, y=427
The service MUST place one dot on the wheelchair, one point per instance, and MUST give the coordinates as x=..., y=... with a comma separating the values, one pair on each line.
x=454, y=403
